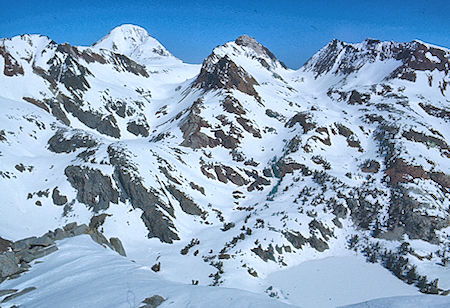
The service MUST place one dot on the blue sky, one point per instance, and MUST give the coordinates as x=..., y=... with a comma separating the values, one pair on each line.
x=292, y=30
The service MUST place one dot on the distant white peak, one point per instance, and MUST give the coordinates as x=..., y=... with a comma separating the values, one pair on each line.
x=29, y=40
x=27, y=45
x=135, y=43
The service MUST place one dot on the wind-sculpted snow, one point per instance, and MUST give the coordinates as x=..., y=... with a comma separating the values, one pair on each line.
x=237, y=167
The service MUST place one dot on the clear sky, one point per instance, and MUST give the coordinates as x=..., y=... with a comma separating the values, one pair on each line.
x=292, y=30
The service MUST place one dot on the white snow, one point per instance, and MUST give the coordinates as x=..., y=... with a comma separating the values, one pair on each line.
x=421, y=301
x=84, y=274
x=336, y=281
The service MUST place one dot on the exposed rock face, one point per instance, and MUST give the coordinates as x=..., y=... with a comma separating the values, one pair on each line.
x=8, y=265
x=428, y=141
x=138, y=129
x=156, y=222
x=94, y=189
x=264, y=254
x=11, y=66
x=104, y=124
x=403, y=214
x=132, y=189
x=435, y=111
x=304, y=119
x=59, y=143
x=260, y=50
x=69, y=72
x=117, y=246
x=97, y=221
x=297, y=240
x=191, y=126
x=226, y=173
x=187, y=205
x=232, y=105
x=347, y=58
x=223, y=73
x=370, y=166
x=123, y=63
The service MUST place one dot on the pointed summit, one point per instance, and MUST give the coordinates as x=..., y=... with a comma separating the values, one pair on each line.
x=252, y=43
x=246, y=48
x=135, y=42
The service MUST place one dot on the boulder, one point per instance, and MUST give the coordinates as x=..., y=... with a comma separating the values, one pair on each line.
x=79, y=230
x=117, y=246
x=4, y=245
x=8, y=265
x=153, y=302
x=23, y=244
x=99, y=238
x=58, y=199
x=43, y=241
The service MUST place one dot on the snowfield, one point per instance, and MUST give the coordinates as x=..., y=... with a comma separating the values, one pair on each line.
x=84, y=274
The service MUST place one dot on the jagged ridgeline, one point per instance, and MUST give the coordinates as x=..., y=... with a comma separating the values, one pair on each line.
x=235, y=165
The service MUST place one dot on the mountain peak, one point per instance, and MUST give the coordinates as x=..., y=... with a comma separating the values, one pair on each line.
x=134, y=42
x=258, y=48
x=338, y=57
x=126, y=35
x=246, y=40
x=245, y=47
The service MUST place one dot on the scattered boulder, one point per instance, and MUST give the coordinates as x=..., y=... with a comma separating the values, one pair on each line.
x=156, y=267
x=9, y=265
x=152, y=302
x=4, y=245
x=58, y=199
x=318, y=244
x=97, y=221
x=296, y=239
x=31, y=242
x=370, y=166
x=117, y=246
x=304, y=119
x=264, y=254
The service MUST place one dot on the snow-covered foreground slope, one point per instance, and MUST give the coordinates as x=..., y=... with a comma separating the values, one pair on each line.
x=336, y=281
x=84, y=274
x=405, y=302
x=231, y=172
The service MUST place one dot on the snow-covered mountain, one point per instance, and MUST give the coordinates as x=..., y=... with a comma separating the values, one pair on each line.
x=239, y=167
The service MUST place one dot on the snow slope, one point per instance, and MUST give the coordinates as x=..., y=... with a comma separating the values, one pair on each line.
x=84, y=274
